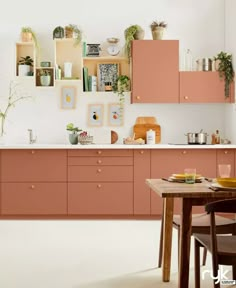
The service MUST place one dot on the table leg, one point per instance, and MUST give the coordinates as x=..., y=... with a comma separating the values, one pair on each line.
x=167, y=239
x=185, y=238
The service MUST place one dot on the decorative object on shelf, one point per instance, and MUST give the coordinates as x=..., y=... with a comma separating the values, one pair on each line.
x=45, y=77
x=115, y=115
x=93, y=50
x=95, y=115
x=107, y=72
x=72, y=31
x=84, y=138
x=113, y=48
x=58, y=32
x=225, y=69
x=73, y=133
x=158, y=29
x=16, y=94
x=68, y=70
x=68, y=97
x=24, y=66
x=133, y=32
x=28, y=35
x=45, y=64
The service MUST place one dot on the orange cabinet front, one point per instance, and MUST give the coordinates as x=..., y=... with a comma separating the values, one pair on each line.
x=34, y=198
x=101, y=198
x=203, y=87
x=155, y=71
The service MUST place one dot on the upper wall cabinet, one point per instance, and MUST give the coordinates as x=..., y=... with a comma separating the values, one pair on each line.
x=203, y=87
x=155, y=71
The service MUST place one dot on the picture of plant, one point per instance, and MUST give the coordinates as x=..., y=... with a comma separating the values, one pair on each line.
x=95, y=114
x=115, y=114
x=68, y=97
x=107, y=72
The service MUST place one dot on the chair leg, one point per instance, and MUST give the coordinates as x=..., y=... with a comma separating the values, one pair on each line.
x=204, y=256
x=160, y=245
x=197, y=263
x=178, y=244
x=234, y=271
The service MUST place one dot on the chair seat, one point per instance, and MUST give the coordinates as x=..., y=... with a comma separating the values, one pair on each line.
x=203, y=220
x=226, y=245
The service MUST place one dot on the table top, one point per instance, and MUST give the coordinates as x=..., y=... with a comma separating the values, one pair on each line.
x=167, y=189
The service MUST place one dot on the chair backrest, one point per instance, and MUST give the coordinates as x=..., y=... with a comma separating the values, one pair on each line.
x=222, y=206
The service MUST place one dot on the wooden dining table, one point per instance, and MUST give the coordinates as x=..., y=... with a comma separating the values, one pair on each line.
x=192, y=195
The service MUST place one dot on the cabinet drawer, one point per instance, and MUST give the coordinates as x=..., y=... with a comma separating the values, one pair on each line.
x=33, y=199
x=105, y=173
x=101, y=152
x=100, y=199
x=34, y=165
x=100, y=161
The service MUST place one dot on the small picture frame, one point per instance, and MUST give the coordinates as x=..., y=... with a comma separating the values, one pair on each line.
x=68, y=97
x=106, y=72
x=95, y=115
x=115, y=114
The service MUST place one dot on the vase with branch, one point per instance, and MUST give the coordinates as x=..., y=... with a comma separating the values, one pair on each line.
x=15, y=95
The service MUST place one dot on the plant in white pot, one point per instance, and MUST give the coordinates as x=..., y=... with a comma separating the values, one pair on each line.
x=45, y=77
x=25, y=65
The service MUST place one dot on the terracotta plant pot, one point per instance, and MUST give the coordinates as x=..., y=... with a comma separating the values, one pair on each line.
x=26, y=36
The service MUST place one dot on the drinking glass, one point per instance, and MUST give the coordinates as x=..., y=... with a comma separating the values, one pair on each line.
x=224, y=170
x=190, y=175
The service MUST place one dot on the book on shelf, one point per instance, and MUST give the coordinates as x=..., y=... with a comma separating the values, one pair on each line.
x=92, y=83
x=85, y=78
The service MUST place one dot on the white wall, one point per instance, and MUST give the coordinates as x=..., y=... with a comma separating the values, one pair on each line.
x=199, y=25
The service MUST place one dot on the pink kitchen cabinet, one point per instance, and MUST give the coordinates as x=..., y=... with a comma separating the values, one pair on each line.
x=155, y=71
x=167, y=162
x=142, y=171
x=203, y=87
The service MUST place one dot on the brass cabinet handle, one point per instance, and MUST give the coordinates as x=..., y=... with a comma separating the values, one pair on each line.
x=99, y=161
x=186, y=97
x=226, y=152
x=32, y=152
x=32, y=187
x=99, y=170
x=184, y=152
x=141, y=152
x=99, y=152
x=99, y=186
x=138, y=97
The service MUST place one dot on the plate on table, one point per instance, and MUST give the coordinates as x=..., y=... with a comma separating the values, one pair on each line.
x=182, y=176
x=216, y=186
x=227, y=182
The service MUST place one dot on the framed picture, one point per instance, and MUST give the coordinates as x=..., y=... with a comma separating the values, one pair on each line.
x=107, y=72
x=95, y=114
x=115, y=114
x=68, y=97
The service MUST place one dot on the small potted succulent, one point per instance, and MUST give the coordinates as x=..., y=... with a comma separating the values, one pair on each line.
x=73, y=133
x=158, y=29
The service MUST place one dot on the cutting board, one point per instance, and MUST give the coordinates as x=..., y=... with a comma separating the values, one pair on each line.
x=143, y=125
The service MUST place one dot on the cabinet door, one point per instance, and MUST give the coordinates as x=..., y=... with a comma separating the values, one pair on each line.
x=142, y=171
x=203, y=87
x=34, y=199
x=155, y=71
x=34, y=165
x=166, y=162
x=226, y=156
x=100, y=198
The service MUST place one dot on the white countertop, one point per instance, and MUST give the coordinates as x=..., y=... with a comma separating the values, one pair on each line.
x=114, y=146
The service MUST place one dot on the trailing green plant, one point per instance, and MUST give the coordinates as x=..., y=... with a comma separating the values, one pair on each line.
x=27, y=29
x=77, y=34
x=121, y=85
x=155, y=24
x=129, y=37
x=26, y=61
x=225, y=70
x=72, y=128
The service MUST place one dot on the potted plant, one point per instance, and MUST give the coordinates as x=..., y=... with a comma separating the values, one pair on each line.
x=158, y=29
x=24, y=66
x=73, y=133
x=133, y=32
x=225, y=69
x=121, y=85
x=72, y=31
x=28, y=35
x=45, y=77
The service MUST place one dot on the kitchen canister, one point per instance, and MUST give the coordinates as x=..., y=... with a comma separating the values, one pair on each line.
x=150, y=137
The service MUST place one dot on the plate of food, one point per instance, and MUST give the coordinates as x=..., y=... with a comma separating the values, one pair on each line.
x=227, y=182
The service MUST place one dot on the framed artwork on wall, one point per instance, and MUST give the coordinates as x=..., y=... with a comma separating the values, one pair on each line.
x=95, y=115
x=106, y=73
x=115, y=114
x=68, y=97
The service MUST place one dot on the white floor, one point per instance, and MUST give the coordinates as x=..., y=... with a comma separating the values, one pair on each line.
x=84, y=254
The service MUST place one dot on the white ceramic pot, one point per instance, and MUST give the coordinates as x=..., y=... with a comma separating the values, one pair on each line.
x=23, y=70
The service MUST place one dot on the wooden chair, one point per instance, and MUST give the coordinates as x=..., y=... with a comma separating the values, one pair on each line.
x=222, y=247
x=200, y=225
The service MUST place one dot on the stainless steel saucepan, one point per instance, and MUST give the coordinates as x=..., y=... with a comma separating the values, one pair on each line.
x=197, y=138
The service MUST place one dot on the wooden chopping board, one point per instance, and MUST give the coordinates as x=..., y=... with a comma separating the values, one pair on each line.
x=141, y=129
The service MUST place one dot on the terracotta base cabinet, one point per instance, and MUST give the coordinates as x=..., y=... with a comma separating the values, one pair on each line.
x=100, y=182
x=167, y=162
x=33, y=182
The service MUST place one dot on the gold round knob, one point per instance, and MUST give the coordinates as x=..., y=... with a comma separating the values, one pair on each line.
x=226, y=152
x=32, y=186
x=99, y=170
x=99, y=186
x=99, y=161
x=184, y=152
x=32, y=152
x=138, y=97
x=99, y=152
x=141, y=152
x=186, y=97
